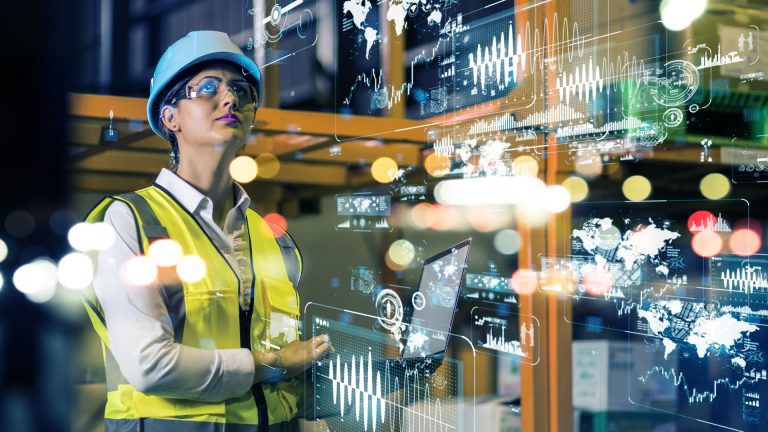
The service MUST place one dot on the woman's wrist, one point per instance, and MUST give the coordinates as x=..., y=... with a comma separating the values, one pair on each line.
x=266, y=359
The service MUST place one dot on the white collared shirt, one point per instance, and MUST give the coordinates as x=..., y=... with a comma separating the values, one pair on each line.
x=138, y=324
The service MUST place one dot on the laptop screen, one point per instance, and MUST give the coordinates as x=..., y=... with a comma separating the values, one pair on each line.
x=434, y=304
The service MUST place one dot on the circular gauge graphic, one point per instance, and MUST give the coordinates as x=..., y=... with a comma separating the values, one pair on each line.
x=677, y=84
x=274, y=23
x=418, y=300
x=389, y=309
x=673, y=117
x=304, y=24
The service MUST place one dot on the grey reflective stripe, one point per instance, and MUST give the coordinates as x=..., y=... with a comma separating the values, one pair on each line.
x=112, y=370
x=157, y=425
x=153, y=230
x=173, y=294
x=291, y=257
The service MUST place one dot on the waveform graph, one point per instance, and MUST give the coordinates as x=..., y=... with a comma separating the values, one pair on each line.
x=583, y=82
x=506, y=334
x=739, y=275
x=498, y=53
x=366, y=386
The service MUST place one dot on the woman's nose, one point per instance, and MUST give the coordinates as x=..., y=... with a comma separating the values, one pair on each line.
x=229, y=98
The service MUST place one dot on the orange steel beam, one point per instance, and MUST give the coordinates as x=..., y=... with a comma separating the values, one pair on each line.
x=268, y=120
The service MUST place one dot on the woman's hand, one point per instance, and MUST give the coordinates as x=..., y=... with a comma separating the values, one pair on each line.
x=297, y=356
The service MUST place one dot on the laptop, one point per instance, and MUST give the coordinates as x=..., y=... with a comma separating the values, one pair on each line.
x=435, y=303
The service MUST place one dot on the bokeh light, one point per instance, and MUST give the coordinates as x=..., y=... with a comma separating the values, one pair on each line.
x=749, y=223
x=525, y=166
x=596, y=281
x=608, y=236
x=393, y=265
x=588, y=165
x=437, y=165
x=507, y=242
x=577, y=188
x=715, y=186
x=701, y=220
x=139, y=271
x=103, y=236
x=707, y=243
x=165, y=252
x=446, y=218
x=62, y=220
x=556, y=198
x=487, y=218
x=384, y=170
x=744, y=242
x=191, y=268
x=268, y=165
x=3, y=250
x=19, y=223
x=37, y=280
x=243, y=169
x=277, y=223
x=422, y=215
x=75, y=271
x=525, y=281
x=401, y=252
x=636, y=188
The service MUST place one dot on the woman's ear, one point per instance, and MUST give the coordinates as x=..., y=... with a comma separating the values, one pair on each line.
x=168, y=115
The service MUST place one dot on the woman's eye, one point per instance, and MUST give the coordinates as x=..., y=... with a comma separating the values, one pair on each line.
x=208, y=87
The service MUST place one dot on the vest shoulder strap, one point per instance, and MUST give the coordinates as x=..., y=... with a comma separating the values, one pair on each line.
x=151, y=226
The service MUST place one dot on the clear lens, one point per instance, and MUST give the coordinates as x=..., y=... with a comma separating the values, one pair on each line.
x=210, y=87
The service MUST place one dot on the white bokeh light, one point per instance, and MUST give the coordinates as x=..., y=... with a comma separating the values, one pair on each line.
x=165, y=252
x=507, y=242
x=139, y=271
x=191, y=268
x=81, y=236
x=3, y=250
x=103, y=236
x=75, y=271
x=677, y=15
x=556, y=198
x=489, y=190
x=37, y=280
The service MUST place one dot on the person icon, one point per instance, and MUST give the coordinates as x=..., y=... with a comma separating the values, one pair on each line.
x=741, y=42
x=749, y=40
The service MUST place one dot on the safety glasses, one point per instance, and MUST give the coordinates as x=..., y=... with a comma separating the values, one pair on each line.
x=209, y=88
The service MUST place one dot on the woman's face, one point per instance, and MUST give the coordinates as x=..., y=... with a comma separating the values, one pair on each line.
x=221, y=121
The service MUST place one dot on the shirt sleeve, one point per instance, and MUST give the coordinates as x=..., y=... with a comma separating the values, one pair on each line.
x=141, y=333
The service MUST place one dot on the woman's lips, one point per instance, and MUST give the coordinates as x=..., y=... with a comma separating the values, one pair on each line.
x=229, y=119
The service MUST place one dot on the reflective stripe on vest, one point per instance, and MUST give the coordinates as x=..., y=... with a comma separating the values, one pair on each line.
x=206, y=314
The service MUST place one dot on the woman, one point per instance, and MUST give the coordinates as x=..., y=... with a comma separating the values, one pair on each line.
x=220, y=352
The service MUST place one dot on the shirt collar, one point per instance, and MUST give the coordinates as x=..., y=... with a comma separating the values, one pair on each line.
x=191, y=198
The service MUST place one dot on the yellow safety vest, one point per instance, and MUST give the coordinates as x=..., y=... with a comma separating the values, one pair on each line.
x=206, y=314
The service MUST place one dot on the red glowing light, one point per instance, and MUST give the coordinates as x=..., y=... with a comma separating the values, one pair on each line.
x=702, y=220
x=596, y=280
x=277, y=223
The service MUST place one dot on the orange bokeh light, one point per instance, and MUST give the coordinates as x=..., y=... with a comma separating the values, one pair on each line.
x=277, y=223
x=525, y=281
x=744, y=242
x=707, y=243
